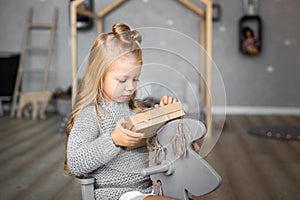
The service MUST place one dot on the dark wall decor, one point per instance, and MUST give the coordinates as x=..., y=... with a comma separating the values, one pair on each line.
x=84, y=22
x=250, y=29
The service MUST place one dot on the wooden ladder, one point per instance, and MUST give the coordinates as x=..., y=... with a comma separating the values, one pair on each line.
x=27, y=47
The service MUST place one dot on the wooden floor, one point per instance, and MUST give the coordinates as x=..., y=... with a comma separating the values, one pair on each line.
x=252, y=167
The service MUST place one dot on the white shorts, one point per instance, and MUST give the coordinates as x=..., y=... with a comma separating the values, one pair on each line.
x=134, y=195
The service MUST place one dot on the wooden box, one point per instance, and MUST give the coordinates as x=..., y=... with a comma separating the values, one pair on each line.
x=150, y=121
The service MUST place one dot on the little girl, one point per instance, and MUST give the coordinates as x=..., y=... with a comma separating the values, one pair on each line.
x=95, y=143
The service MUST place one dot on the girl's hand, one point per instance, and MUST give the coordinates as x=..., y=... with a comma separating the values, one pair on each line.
x=124, y=137
x=165, y=100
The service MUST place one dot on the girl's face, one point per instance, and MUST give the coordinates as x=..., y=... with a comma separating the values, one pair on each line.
x=121, y=80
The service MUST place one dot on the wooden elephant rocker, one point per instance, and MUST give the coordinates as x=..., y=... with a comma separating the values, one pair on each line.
x=174, y=164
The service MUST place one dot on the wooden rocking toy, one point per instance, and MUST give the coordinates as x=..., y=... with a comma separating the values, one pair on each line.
x=179, y=170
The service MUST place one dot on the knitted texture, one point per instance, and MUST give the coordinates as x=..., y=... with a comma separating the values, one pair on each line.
x=116, y=170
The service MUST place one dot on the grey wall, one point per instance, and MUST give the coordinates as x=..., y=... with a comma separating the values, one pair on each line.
x=270, y=79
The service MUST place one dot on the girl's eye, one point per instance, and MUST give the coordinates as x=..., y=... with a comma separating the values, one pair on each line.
x=136, y=79
x=122, y=81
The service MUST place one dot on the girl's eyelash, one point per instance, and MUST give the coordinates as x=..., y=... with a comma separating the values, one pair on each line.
x=123, y=81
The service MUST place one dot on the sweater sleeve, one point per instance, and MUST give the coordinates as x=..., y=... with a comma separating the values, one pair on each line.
x=87, y=150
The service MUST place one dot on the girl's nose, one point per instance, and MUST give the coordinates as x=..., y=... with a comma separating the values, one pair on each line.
x=130, y=86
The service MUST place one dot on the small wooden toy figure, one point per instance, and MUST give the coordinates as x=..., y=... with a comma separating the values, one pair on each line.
x=39, y=101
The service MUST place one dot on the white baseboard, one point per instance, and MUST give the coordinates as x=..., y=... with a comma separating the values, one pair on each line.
x=256, y=110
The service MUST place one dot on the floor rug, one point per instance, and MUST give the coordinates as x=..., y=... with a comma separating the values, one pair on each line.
x=277, y=132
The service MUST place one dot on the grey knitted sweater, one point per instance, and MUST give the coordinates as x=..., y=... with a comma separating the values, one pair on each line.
x=92, y=151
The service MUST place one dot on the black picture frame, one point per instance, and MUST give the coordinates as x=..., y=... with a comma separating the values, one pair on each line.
x=217, y=11
x=252, y=24
x=84, y=22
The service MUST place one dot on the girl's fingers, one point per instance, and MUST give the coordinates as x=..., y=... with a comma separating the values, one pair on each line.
x=124, y=137
x=128, y=132
x=132, y=141
x=134, y=134
x=171, y=99
x=165, y=100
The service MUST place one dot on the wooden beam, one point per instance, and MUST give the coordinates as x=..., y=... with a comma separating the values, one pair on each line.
x=100, y=26
x=110, y=8
x=74, y=5
x=208, y=34
x=87, y=13
x=20, y=66
x=192, y=7
x=203, y=58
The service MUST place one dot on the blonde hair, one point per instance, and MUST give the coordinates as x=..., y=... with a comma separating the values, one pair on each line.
x=107, y=48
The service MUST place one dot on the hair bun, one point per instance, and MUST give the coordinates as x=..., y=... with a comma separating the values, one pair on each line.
x=118, y=28
x=125, y=33
x=136, y=36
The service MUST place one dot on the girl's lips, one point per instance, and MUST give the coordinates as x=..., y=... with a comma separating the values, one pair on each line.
x=126, y=96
